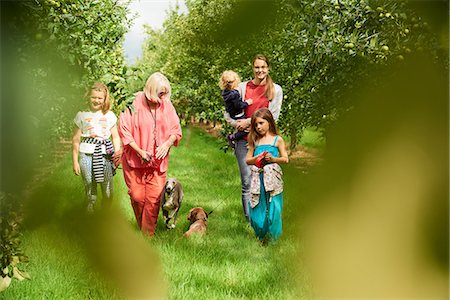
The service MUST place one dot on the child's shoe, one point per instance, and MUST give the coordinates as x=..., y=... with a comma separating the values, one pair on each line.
x=90, y=208
x=231, y=140
x=265, y=241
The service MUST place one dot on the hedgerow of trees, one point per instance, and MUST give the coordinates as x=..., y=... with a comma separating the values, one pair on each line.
x=51, y=50
x=318, y=50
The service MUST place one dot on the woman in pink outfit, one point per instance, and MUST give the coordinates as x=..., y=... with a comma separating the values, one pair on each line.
x=148, y=129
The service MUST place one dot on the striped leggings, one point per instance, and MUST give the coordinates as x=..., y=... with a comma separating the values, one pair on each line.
x=90, y=185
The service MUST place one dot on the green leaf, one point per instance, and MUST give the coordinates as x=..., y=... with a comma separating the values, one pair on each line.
x=4, y=283
x=20, y=275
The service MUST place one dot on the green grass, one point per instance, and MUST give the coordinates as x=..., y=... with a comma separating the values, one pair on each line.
x=74, y=256
x=312, y=137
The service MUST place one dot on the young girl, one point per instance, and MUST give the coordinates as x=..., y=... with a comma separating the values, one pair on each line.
x=94, y=156
x=266, y=150
x=233, y=102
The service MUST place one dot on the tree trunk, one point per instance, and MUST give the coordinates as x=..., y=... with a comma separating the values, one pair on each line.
x=293, y=136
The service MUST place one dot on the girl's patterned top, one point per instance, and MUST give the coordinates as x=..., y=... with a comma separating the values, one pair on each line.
x=95, y=124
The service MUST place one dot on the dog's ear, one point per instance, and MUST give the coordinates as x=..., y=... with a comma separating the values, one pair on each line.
x=176, y=192
x=191, y=214
x=178, y=188
x=178, y=184
x=206, y=215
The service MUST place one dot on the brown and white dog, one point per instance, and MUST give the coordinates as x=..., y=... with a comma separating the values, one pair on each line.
x=199, y=221
x=171, y=198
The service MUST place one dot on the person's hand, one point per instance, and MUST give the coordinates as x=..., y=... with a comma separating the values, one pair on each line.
x=268, y=157
x=241, y=125
x=163, y=149
x=144, y=156
x=76, y=168
x=260, y=159
x=116, y=157
x=249, y=101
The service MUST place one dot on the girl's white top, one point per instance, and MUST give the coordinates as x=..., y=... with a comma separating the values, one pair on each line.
x=96, y=125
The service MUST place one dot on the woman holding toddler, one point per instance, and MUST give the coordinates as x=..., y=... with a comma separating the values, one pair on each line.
x=263, y=93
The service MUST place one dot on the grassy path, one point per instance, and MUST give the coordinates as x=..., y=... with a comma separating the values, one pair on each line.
x=73, y=256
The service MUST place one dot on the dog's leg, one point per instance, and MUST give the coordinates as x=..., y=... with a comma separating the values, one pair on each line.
x=166, y=218
x=173, y=215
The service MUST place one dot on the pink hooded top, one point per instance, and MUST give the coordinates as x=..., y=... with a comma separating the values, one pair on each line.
x=137, y=124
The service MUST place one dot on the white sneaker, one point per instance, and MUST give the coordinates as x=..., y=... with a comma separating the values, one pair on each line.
x=90, y=208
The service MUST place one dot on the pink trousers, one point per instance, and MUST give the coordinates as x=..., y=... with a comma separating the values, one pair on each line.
x=144, y=187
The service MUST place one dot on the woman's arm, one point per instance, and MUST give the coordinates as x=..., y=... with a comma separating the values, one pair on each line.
x=116, y=143
x=174, y=125
x=124, y=127
x=164, y=148
x=229, y=119
x=75, y=150
x=275, y=104
x=115, y=138
x=125, y=133
x=143, y=155
x=243, y=124
x=174, y=131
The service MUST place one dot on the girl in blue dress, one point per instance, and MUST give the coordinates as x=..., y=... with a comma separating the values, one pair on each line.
x=266, y=150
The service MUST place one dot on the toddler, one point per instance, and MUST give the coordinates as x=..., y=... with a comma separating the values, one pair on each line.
x=233, y=102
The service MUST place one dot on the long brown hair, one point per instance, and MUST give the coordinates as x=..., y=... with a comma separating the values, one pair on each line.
x=265, y=114
x=270, y=85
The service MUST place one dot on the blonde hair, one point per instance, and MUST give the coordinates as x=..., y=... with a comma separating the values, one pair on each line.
x=265, y=114
x=100, y=87
x=229, y=80
x=156, y=84
x=270, y=85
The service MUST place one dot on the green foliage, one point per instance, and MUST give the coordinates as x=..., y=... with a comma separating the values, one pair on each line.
x=341, y=43
x=318, y=49
x=11, y=253
x=312, y=137
x=61, y=47
x=51, y=50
